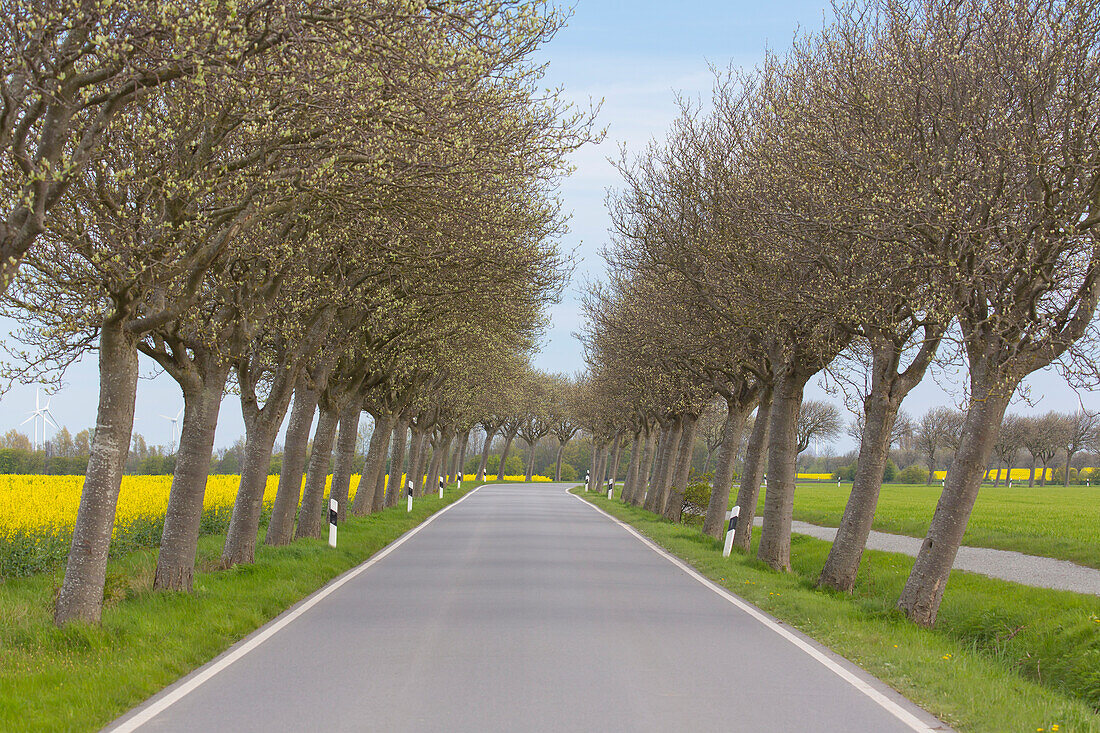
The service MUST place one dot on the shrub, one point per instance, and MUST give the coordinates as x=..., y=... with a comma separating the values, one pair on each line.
x=912, y=475
x=697, y=495
x=568, y=473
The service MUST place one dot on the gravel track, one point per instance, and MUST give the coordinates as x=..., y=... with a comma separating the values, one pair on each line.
x=1038, y=572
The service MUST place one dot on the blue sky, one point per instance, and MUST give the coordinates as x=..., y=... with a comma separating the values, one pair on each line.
x=635, y=57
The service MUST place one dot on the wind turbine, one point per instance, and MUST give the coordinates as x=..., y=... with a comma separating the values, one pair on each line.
x=41, y=414
x=174, y=420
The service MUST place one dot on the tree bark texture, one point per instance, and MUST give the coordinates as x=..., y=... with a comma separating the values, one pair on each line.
x=426, y=451
x=842, y=565
x=674, y=502
x=668, y=466
x=631, y=481
x=244, y=525
x=81, y=595
x=281, y=526
x=508, y=438
x=923, y=591
x=530, y=469
x=366, y=497
x=489, y=435
x=311, y=517
x=612, y=472
x=645, y=468
x=394, y=488
x=714, y=525
x=345, y=456
x=660, y=449
x=752, y=472
x=775, y=537
x=202, y=399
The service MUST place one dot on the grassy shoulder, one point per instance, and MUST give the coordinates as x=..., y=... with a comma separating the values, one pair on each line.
x=82, y=677
x=1051, y=521
x=1002, y=657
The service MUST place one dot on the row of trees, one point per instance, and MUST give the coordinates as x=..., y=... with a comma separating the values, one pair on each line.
x=325, y=207
x=915, y=181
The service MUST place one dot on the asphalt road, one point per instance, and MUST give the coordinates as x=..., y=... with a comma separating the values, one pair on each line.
x=522, y=608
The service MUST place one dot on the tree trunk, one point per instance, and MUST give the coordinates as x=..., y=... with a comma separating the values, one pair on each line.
x=612, y=472
x=345, y=456
x=416, y=445
x=931, y=468
x=1069, y=458
x=920, y=599
x=183, y=518
x=1043, y=475
x=557, y=465
x=311, y=517
x=244, y=526
x=489, y=435
x=645, y=468
x=431, y=483
x=504, y=455
x=1031, y=477
x=81, y=595
x=461, y=465
x=653, y=488
x=715, y=523
x=446, y=458
x=841, y=567
x=374, y=465
x=674, y=502
x=281, y=526
x=530, y=462
x=775, y=537
x=419, y=476
x=997, y=476
x=752, y=473
x=394, y=488
x=663, y=482
x=631, y=481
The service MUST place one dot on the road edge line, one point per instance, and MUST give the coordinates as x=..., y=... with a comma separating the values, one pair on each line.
x=906, y=717
x=175, y=692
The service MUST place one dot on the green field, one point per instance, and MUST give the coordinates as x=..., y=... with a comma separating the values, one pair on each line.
x=1002, y=656
x=1060, y=522
x=81, y=677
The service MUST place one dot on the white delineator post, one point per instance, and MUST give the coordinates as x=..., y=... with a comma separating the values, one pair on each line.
x=731, y=528
x=409, y=494
x=333, y=510
x=440, y=487
x=610, y=487
x=586, y=480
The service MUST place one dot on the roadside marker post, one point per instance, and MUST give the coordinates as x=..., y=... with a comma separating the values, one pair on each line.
x=409, y=494
x=440, y=487
x=610, y=487
x=333, y=510
x=731, y=528
x=586, y=480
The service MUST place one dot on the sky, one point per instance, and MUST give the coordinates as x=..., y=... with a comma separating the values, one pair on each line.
x=634, y=58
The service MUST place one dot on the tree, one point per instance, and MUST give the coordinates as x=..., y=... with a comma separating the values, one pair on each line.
x=931, y=435
x=1079, y=433
x=818, y=422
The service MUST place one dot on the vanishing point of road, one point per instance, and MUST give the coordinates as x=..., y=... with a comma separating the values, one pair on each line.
x=523, y=608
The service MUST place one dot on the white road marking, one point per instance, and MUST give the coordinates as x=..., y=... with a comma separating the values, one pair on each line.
x=190, y=684
x=855, y=681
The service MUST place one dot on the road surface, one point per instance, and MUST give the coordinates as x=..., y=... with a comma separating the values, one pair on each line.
x=522, y=608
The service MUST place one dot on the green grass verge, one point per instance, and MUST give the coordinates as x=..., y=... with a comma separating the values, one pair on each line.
x=82, y=677
x=1051, y=521
x=1002, y=656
